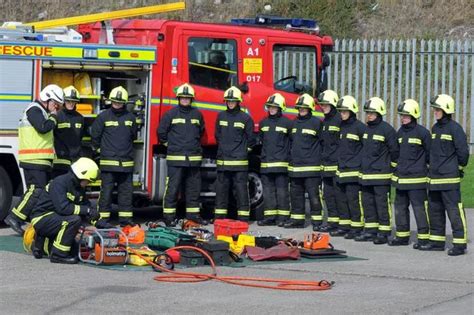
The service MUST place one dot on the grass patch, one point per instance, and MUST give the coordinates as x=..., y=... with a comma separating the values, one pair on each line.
x=467, y=184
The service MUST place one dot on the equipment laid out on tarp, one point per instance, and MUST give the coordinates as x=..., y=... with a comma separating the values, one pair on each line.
x=103, y=246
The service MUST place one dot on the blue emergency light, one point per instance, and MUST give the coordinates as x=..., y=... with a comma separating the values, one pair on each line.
x=268, y=20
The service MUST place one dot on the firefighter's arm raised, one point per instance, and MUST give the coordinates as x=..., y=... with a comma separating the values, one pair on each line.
x=37, y=120
x=64, y=206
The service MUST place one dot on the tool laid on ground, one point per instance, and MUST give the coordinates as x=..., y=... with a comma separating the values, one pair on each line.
x=316, y=241
x=103, y=246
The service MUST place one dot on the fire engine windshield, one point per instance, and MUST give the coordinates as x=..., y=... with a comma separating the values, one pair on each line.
x=212, y=62
x=294, y=69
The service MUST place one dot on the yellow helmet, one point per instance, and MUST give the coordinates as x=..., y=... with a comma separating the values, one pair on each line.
x=118, y=95
x=185, y=90
x=328, y=97
x=409, y=107
x=349, y=103
x=85, y=168
x=305, y=101
x=233, y=94
x=375, y=105
x=276, y=100
x=28, y=238
x=71, y=94
x=444, y=102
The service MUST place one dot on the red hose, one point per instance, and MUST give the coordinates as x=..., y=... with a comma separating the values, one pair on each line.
x=276, y=284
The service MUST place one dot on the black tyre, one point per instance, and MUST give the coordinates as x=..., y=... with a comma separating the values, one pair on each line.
x=6, y=193
x=256, y=196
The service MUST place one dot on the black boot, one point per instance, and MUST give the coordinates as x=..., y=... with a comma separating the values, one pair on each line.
x=338, y=232
x=63, y=260
x=380, y=239
x=171, y=222
x=104, y=224
x=327, y=228
x=420, y=243
x=457, y=250
x=124, y=223
x=294, y=224
x=266, y=222
x=37, y=247
x=431, y=246
x=351, y=235
x=15, y=224
x=399, y=241
x=365, y=237
x=317, y=227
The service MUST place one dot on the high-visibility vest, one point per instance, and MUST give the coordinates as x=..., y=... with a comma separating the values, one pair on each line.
x=34, y=145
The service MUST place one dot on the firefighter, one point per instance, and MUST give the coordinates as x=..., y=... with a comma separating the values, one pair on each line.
x=68, y=133
x=275, y=138
x=379, y=156
x=449, y=153
x=36, y=151
x=410, y=176
x=235, y=138
x=329, y=143
x=112, y=134
x=59, y=212
x=305, y=164
x=180, y=130
x=351, y=220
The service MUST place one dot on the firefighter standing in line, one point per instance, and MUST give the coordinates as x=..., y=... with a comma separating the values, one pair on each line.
x=275, y=138
x=410, y=176
x=379, y=156
x=351, y=218
x=36, y=151
x=235, y=138
x=330, y=141
x=59, y=212
x=305, y=165
x=180, y=130
x=449, y=153
x=68, y=133
x=112, y=134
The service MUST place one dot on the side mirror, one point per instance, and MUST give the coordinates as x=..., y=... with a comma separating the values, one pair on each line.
x=244, y=87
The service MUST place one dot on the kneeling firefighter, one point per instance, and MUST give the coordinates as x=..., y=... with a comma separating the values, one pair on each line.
x=60, y=210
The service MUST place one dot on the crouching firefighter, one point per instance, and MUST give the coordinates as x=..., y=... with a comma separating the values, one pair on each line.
x=112, y=134
x=329, y=144
x=180, y=131
x=410, y=176
x=379, y=156
x=68, y=133
x=351, y=218
x=235, y=138
x=60, y=210
x=36, y=151
x=274, y=135
x=305, y=165
x=449, y=153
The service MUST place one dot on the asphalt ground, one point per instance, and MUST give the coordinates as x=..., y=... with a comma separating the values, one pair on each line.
x=390, y=280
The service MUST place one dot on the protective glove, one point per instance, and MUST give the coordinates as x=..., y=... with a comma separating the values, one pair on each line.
x=93, y=214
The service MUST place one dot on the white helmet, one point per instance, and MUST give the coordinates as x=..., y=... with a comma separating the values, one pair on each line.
x=52, y=92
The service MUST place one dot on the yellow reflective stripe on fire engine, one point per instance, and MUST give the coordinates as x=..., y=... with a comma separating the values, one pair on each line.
x=195, y=158
x=77, y=209
x=243, y=213
x=284, y=212
x=62, y=161
x=274, y=164
x=109, y=163
x=402, y=234
x=378, y=138
x=419, y=180
x=195, y=122
x=309, y=131
x=37, y=219
x=59, y=237
x=446, y=137
x=211, y=67
x=200, y=105
x=128, y=164
x=128, y=123
x=297, y=216
x=111, y=123
x=334, y=128
x=294, y=111
x=414, y=141
x=15, y=97
x=440, y=181
x=64, y=125
x=78, y=125
x=376, y=176
x=176, y=158
x=192, y=210
x=352, y=136
x=223, y=123
x=281, y=129
x=239, y=125
x=125, y=214
x=438, y=238
x=329, y=168
x=270, y=212
x=220, y=211
x=265, y=129
x=178, y=121
x=232, y=163
x=304, y=168
x=347, y=174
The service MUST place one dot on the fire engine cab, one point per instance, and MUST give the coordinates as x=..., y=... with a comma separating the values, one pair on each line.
x=150, y=58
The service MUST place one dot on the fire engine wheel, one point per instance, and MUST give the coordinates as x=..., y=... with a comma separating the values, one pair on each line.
x=6, y=193
x=256, y=194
